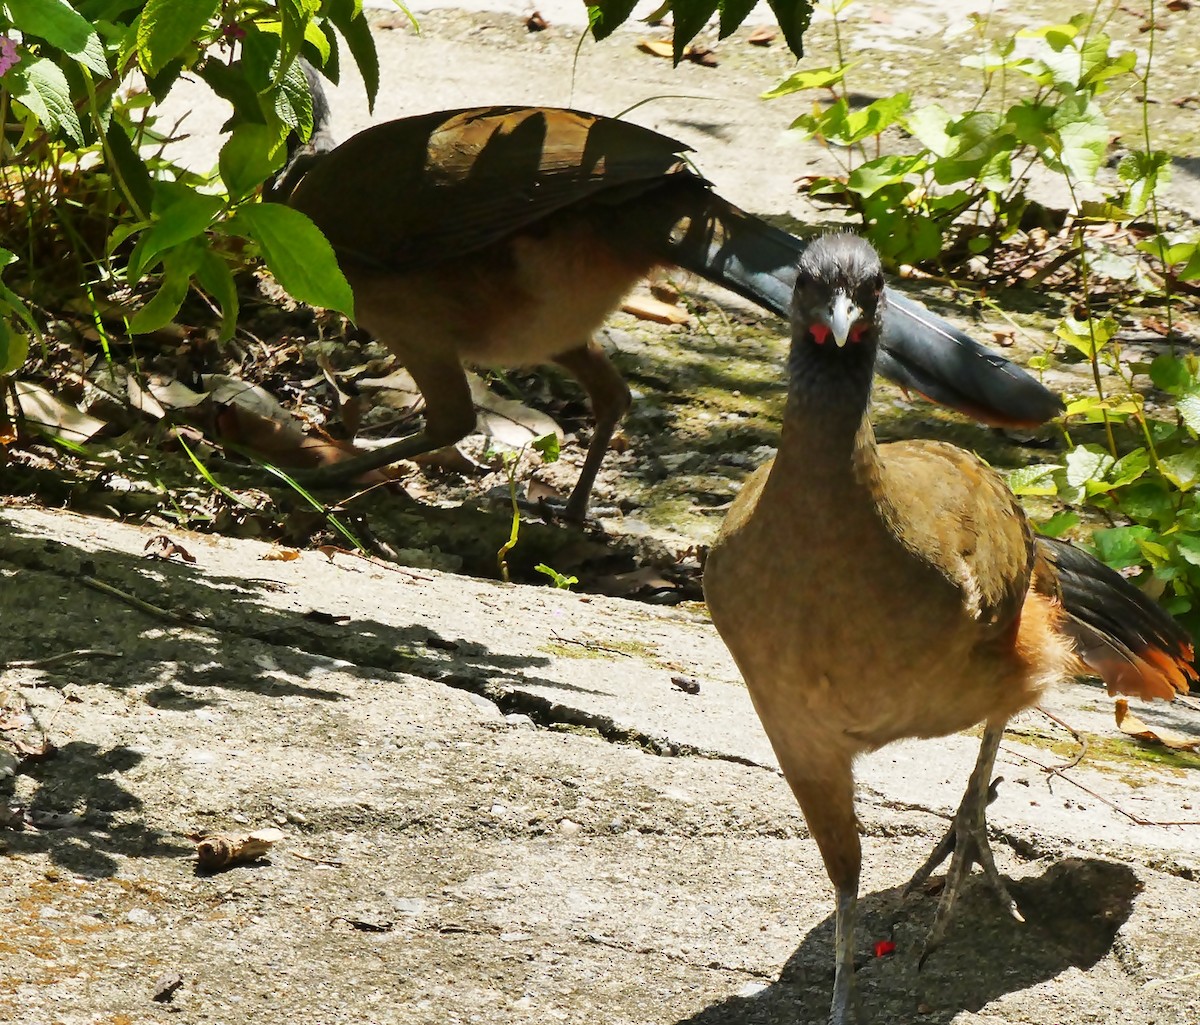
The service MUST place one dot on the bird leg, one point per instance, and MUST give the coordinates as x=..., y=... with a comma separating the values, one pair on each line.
x=967, y=840
x=610, y=400
x=844, y=1008
x=449, y=417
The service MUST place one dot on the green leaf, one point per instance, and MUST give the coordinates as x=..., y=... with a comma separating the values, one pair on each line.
x=216, y=279
x=63, y=27
x=549, y=447
x=1087, y=336
x=690, y=17
x=42, y=87
x=793, y=17
x=1189, y=411
x=1086, y=463
x=167, y=28
x=248, y=158
x=1119, y=547
x=1037, y=479
x=348, y=16
x=1188, y=546
x=178, y=265
x=1148, y=501
x=1182, y=469
x=1172, y=374
x=816, y=78
x=297, y=254
x=179, y=214
x=14, y=347
x=1058, y=524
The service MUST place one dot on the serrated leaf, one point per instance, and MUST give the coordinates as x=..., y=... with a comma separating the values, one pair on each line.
x=248, y=158
x=179, y=214
x=1033, y=480
x=297, y=254
x=816, y=78
x=1189, y=410
x=167, y=28
x=42, y=87
x=1182, y=469
x=63, y=27
x=1087, y=463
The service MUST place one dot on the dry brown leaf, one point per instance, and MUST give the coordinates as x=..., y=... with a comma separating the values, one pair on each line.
x=162, y=547
x=59, y=418
x=646, y=307
x=506, y=421
x=281, y=555
x=536, y=23
x=697, y=53
x=764, y=35
x=1130, y=724
x=657, y=47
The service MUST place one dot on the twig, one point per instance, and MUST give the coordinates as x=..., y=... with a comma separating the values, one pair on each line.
x=66, y=656
x=137, y=603
x=590, y=645
x=1137, y=820
x=332, y=862
x=1080, y=739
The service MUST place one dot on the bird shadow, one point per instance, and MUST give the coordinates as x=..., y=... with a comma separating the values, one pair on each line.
x=1073, y=912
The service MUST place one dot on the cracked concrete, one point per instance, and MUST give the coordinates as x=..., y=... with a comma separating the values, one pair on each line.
x=447, y=859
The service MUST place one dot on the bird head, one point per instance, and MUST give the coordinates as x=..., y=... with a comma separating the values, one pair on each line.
x=838, y=296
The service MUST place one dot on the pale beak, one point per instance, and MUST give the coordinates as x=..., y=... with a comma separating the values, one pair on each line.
x=842, y=316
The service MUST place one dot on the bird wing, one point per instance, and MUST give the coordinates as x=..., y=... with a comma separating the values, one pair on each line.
x=448, y=183
x=956, y=513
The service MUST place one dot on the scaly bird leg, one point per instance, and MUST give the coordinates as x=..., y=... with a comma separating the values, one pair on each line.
x=844, y=1009
x=968, y=841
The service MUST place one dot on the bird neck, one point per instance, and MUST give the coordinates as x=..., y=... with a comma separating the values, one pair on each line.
x=825, y=425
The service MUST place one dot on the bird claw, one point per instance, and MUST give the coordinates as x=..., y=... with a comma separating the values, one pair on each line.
x=967, y=841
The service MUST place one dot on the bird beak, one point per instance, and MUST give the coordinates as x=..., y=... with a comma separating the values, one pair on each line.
x=842, y=316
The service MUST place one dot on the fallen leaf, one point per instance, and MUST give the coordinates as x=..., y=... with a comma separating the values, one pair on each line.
x=536, y=23
x=702, y=55
x=162, y=547
x=507, y=421
x=280, y=555
x=59, y=418
x=764, y=35
x=1130, y=724
x=646, y=307
x=657, y=47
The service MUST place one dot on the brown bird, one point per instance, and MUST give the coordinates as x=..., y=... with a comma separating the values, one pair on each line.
x=506, y=235
x=874, y=592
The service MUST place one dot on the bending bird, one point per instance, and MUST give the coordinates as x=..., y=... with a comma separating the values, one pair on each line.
x=506, y=235
x=874, y=592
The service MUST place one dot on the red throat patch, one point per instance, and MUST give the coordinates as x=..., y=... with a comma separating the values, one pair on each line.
x=820, y=333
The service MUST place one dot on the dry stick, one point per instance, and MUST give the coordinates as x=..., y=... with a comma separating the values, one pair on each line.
x=1080, y=739
x=1137, y=820
x=66, y=656
x=590, y=645
x=137, y=603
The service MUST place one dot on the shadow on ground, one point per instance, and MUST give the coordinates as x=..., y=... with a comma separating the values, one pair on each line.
x=1073, y=913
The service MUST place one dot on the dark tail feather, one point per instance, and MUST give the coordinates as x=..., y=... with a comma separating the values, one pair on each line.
x=919, y=350
x=302, y=155
x=1127, y=639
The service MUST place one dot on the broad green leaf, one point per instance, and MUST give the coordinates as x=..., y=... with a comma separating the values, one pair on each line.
x=931, y=125
x=1058, y=524
x=178, y=266
x=296, y=253
x=1173, y=374
x=817, y=78
x=1037, y=479
x=217, y=280
x=1119, y=546
x=1189, y=411
x=1149, y=501
x=13, y=304
x=63, y=27
x=1087, y=463
x=167, y=28
x=248, y=157
x=1129, y=468
x=1183, y=468
x=14, y=347
x=179, y=214
x=1087, y=336
x=875, y=117
x=1188, y=546
x=348, y=16
x=42, y=87
x=873, y=175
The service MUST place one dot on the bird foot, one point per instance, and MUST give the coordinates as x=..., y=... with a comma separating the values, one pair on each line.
x=966, y=844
